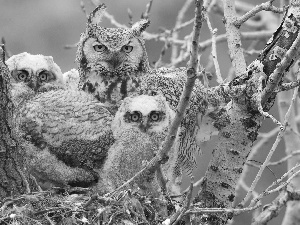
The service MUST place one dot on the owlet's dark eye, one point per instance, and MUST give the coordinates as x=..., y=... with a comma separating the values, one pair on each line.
x=154, y=116
x=134, y=117
x=22, y=75
x=127, y=48
x=99, y=47
x=43, y=76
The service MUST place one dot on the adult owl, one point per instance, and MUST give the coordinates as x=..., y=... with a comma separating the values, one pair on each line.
x=111, y=60
x=113, y=64
x=66, y=135
x=139, y=128
x=40, y=73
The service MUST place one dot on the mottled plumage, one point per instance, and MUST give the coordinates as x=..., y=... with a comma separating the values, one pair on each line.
x=139, y=127
x=111, y=60
x=69, y=130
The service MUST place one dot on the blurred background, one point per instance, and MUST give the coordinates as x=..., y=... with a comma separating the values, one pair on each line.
x=45, y=27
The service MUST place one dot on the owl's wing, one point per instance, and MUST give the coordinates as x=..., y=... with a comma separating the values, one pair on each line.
x=71, y=124
x=50, y=171
x=170, y=83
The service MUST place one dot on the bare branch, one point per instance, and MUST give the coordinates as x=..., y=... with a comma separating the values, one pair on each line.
x=146, y=14
x=214, y=50
x=234, y=38
x=267, y=6
x=273, y=209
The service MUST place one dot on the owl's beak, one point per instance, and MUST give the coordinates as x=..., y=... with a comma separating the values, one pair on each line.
x=33, y=85
x=115, y=62
x=144, y=126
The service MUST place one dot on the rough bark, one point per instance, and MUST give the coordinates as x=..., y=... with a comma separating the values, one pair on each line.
x=12, y=174
x=239, y=121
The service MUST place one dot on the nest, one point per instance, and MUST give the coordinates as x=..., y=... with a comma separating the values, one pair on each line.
x=82, y=206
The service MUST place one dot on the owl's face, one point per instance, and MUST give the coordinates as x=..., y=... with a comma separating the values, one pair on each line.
x=38, y=72
x=115, y=52
x=111, y=60
x=149, y=114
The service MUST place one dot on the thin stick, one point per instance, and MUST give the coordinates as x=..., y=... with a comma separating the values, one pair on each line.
x=178, y=23
x=214, y=50
x=284, y=158
x=267, y=6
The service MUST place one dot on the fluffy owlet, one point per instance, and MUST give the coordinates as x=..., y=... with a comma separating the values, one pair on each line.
x=40, y=73
x=71, y=79
x=139, y=128
x=111, y=60
x=66, y=136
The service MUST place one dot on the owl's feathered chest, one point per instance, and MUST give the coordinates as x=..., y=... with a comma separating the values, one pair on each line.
x=110, y=88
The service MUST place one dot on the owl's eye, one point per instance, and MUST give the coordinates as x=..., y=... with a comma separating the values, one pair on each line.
x=43, y=76
x=127, y=48
x=99, y=47
x=22, y=75
x=134, y=117
x=154, y=116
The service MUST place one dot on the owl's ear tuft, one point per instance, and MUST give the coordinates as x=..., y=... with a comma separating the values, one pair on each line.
x=95, y=17
x=140, y=26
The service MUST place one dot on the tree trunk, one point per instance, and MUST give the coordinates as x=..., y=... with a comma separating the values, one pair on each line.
x=13, y=178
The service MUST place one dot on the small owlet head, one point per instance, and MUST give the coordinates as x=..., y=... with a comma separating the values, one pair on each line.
x=149, y=114
x=108, y=58
x=40, y=73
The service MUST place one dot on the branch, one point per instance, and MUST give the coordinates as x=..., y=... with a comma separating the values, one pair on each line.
x=179, y=25
x=274, y=208
x=267, y=6
x=214, y=50
x=234, y=39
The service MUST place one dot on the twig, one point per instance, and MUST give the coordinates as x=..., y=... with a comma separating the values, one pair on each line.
x=179, y=25
x=278, y=181
x=180, y=213
x=244, y=36
x=233, y=211
x=284, y=158
x=82, y=6
x=214, y=50
x=252, y=52
x=267, y=6
x=247, y=188
x=234, y=38
x=130, y=17
x=71, y=46
x=113, y=21
x=146, y=14
x=288, y=86
x=284, y=184
x=162, y=53
x=7, y=53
